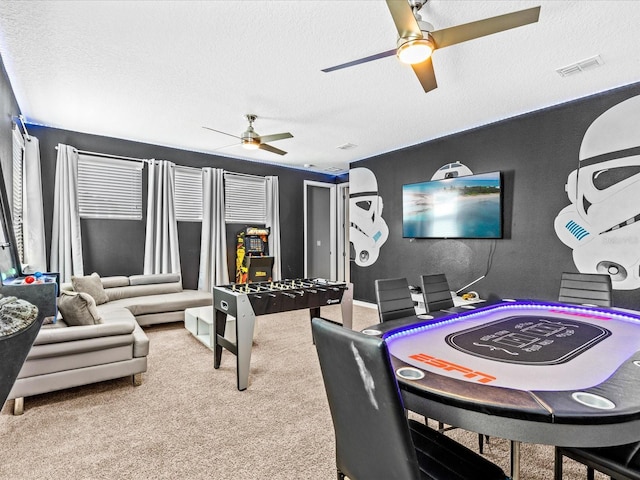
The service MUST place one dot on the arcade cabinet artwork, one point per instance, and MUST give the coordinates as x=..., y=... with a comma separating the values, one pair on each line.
x=601, y=223
x=253, y=263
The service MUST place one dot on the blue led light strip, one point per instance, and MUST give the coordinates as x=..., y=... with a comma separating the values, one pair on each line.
x=586, y=311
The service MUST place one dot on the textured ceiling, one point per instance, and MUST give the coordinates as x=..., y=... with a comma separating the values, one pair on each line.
x=158, y=71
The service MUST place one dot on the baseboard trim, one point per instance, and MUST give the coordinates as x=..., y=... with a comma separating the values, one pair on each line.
x=361, y=303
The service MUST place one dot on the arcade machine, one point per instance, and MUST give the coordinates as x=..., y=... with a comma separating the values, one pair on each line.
x=19, y=321
x=253, y=263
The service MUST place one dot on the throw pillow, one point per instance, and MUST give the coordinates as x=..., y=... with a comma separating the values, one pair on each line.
x=78, y=308
x=92, y=285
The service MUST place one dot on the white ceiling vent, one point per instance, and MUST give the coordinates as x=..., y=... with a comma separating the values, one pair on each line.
x=581, y=66
x=347, y=146
x=333, y=169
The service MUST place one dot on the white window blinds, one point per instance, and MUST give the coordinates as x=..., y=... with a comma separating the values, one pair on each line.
x=17, y=203
x=245, y=199
x=188, y=194
x=109, y=188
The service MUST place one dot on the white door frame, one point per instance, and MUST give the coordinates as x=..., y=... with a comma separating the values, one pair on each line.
x=332, y=225
x=343, y=225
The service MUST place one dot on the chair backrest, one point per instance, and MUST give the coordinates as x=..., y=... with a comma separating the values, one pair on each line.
x=372, y=434
x=394, y=299
x=586, y=288
x=435, y=290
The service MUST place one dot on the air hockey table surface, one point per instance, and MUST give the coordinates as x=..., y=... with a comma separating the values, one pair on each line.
x=528, y=371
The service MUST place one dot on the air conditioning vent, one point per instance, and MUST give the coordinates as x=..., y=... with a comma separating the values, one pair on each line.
x=581, y=66
x=347, y=146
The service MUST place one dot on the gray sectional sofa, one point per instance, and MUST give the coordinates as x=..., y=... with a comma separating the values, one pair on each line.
x=108, y=342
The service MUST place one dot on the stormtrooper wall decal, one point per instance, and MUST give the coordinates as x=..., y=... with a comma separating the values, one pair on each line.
x=368, y=231
x=451, y=170
x=602, y=224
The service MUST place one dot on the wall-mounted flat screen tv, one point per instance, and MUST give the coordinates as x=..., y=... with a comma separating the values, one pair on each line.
x=459, y=207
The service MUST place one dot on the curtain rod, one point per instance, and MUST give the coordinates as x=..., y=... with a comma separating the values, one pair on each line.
x=106, y=155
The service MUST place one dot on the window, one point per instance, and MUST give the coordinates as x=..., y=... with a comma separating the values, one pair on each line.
x=245, y=199
x=188, y=194
x=109, y=188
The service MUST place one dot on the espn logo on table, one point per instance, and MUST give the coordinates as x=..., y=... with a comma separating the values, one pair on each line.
x=466, y=372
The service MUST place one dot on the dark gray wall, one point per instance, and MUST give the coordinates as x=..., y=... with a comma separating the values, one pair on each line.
x=116, y=247
x=535, y=152
x=8, y=109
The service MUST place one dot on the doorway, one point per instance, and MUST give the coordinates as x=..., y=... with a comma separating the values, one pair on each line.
x=326, y=230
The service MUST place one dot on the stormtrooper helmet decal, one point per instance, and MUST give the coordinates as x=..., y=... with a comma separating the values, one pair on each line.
x=602, y=223
x=451, y=170
x=368, y=231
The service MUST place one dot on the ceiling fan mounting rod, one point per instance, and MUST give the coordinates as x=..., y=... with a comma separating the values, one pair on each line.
x=250, y=138
x=416, y=5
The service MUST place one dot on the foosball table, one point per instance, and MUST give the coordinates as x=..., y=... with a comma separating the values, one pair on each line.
x=246, y=301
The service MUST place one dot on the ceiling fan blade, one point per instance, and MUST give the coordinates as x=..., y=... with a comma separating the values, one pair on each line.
x=218, y=131
x=404, y=18
x=227, y=146
x=274, y=137
x=488, y=26
x=269, y=148
x=426, y=75
x=388, y=53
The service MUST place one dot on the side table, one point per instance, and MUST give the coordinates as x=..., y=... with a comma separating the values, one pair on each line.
x=199, y=321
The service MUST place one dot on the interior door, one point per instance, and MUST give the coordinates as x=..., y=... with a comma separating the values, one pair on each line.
x=320, y=230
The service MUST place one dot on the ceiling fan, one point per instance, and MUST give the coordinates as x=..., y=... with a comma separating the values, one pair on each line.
x=417, y=39
x=252, y=141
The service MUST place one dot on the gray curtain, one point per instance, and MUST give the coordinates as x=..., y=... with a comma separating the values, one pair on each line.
x=161, y=249
x=273, y=221
x=34, y=251
x=213, y=244
x=66, y=239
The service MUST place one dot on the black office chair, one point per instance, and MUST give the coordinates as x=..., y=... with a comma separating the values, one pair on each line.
x=436, y=292
x=621, y=462
x=437, y=296
x=394, y=299
x=374, y=439
x=586, y=288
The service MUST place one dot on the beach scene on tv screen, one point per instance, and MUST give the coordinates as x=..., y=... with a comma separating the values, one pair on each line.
x=461, y=207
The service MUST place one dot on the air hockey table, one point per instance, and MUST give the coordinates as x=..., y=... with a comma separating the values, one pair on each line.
x=535, y=372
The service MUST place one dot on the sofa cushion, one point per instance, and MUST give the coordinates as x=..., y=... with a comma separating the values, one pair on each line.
x=78, y=308
x=154, y=278
x=115, y=281
x=170, y=302
x=92, y=285
x=119, y=293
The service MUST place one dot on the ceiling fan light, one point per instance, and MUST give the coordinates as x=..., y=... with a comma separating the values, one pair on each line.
x=415, y=50
x=250, y=144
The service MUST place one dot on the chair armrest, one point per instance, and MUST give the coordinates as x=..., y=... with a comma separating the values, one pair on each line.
x=69, y=334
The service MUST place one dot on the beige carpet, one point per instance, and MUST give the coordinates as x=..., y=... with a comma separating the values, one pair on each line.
x=188, y=421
